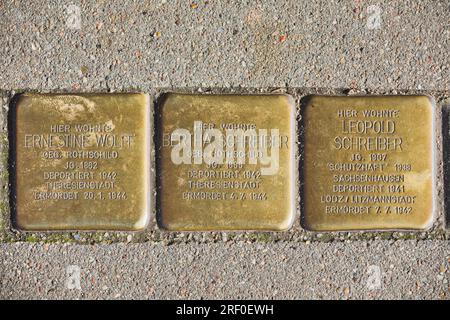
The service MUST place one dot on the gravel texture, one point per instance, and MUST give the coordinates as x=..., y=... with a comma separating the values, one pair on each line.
x=301, y=47
x=178, y=43
x=408, y=269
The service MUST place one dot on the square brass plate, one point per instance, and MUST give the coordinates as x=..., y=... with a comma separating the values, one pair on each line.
x=226, y=162
x=368, y=163
x=82, y=161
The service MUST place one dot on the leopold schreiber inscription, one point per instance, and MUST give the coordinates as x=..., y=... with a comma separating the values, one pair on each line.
x=368, y=163
x=226, y=162
x=81, y=162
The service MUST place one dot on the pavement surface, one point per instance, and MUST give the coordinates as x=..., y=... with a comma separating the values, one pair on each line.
x=87, y=45
x=376, y=269
x=316, y=46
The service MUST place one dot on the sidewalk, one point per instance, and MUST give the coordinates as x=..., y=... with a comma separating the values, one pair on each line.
x=302, y=47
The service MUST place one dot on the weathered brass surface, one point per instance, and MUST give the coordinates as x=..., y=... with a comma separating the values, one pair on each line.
x=247, y=194
x=368, y=163
x=82, y=161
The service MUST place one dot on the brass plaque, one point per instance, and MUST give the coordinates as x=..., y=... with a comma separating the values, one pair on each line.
x=368, y=163
x=82, y=161
x=226, y=162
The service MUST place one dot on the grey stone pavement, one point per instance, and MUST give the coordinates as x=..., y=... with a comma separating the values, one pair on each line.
x=350, y=46
x=406, y=269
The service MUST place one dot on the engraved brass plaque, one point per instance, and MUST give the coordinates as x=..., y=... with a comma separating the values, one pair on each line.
x=82, y=162
x=226, y=162
x=368, y=163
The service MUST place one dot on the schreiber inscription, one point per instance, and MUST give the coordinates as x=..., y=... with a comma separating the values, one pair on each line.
x=81, y=162
x=368, y=163
x=226, y=162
